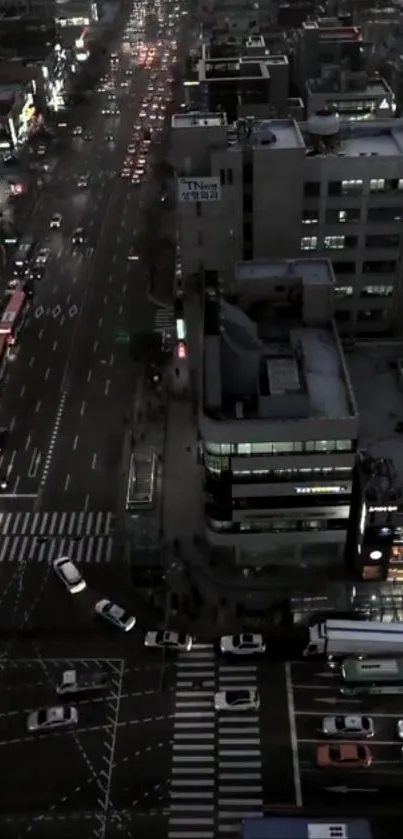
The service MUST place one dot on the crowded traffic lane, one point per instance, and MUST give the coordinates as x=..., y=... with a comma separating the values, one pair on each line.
x=30, y=402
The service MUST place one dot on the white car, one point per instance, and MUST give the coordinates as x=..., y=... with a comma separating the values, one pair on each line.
x=131, y=149
x=236, y=700
x=399, y=729
x=69, y=574
x=57, y=716
x=82, y=183
x=171, y=640
x=56, y=222
x=77, y=131
x=115, y=614
x=347, y=726
x=242, y=644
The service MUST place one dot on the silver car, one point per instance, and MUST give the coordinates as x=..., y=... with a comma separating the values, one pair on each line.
x=348, y=726
x=56, y=716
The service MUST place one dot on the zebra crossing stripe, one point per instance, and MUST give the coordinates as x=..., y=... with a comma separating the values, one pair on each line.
x=55, y=524
x=164, y=320
x=216, y=778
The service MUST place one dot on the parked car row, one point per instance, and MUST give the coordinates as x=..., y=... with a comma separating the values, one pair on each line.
x=344, y=755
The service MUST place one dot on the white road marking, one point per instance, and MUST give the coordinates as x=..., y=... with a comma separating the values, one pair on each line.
x=75, y=444
x=82, y=409
x=53, y=438
x=47, y=373
x=28, y=443
x=94, y=461
x=66, y=483
x=107, y=383
x=89, y=376
x=293, y=736
x=38, y=406
x=22, y=391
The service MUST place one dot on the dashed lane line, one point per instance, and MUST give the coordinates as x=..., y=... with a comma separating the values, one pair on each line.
x=89, y=729
x=96, y=700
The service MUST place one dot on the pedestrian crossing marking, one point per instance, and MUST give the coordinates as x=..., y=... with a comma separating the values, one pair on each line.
x=56, y=524
x=42, y=537
x=164, y=321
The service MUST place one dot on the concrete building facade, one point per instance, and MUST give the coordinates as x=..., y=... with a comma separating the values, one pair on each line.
x=323, y=188
x=278, y=421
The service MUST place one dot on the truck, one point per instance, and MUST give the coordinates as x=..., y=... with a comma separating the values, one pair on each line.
x=74, y=682
x=332, y=639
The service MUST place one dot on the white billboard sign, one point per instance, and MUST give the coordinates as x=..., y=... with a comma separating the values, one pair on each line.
x=193, y=190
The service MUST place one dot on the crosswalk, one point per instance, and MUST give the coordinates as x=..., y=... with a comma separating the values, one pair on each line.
x=41, y=537
x=164, y=321
x=239, y=759
x=216, y=776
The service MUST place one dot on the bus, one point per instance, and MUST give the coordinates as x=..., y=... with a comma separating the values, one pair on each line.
x=13, y=317
x=23, y=254
x=372, y=676
x=3, y=355
x=140, y=493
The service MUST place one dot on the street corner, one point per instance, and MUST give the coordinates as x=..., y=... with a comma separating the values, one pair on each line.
x=325, y=768
x=46, y=783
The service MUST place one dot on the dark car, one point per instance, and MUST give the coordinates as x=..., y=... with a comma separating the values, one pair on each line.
x=78, y=236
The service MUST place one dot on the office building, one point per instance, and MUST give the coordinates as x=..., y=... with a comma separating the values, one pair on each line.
x=275, y=189
x=354, y=96
x=278, y=421
x=235, y=84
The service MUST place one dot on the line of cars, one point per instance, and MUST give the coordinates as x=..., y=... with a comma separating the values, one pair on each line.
x=241, y=644
x=348, y=753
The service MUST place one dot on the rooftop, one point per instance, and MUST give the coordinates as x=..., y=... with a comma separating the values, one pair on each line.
x=260, y=359
x=198, y=119
x=355, y=85
x=378, y=387
x=360, y=139
x=272, y=133
x=215, y=68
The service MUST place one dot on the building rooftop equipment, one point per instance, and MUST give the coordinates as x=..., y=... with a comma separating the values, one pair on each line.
x=272, y=346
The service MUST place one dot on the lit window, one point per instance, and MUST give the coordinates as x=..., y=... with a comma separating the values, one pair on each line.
x=400, y=183
x=309, y=243
x=377, y=184
x=377, y=291
x=343, y=290
x=354, y=185
x=310, y=217
x=335, y=243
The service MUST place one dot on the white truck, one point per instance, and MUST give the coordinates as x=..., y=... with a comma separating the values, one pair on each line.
x=74, y=682
x=337, y=638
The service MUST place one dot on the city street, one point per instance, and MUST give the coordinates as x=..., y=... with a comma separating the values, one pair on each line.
x=115, y=759
x=66, y=395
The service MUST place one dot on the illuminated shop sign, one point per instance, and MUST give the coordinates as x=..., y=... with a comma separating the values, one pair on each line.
x=392, y=509
x=320, y=490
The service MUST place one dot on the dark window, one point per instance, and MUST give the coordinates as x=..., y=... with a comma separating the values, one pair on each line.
x=342, y=315
x=222, y=177
x=388, y=240
x=384, y=215
x=247, y=203
x=247, y=232
x=334, y=188
x=198, y=208
x=230, y=177
x=384, y=266
x=247, y=172
x=344, y=267
x=312, y=188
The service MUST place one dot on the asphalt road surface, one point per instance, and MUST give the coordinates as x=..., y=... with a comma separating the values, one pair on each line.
x=66, y=396
x=111, y=769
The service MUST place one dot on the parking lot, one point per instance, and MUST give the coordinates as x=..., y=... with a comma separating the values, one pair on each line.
x=60, y=769
x=313, y=693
